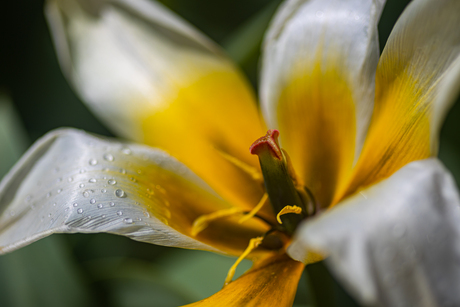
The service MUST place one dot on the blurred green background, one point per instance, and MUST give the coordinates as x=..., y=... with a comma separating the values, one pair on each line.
x=106, y=270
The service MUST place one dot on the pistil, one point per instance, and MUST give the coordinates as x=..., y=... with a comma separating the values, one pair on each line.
x=281, y=184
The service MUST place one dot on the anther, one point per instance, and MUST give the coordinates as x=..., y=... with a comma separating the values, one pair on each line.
x=286, y=210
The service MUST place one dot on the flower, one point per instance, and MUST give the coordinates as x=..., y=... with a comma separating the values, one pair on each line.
x=360, y=132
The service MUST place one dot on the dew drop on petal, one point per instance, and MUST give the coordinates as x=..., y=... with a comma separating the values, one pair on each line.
x=119, y=213
x=100, y=206
x=86, y=194
x=112, y=204
x=82, y=185
x=92, y=180
x=103, y=216
x=92, y=162
x=126, y=150
x=128, y=220
x=70, y=179
x=122, y=170
x=92, y=201
x=112, y=182
x=75, y=204
x=146, y=214
x=103, y=191
x=48, y=195
x=120, y=193
x=108, y=157
x=80, y=211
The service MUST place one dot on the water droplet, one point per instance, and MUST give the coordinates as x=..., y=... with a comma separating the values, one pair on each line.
x=139, y=219
x=119, y=213
x=112, y=204
x=92, y=162
x=92, y=180
x=126, y=150
x=82, y=171
x=92, y=201
x=70, y=179
x=48, y=195
x=75, y=204
x=103, y=216
x=112, y=182
x=122, y=170
x=80, y=211
x=120, y=193
x=133, y=179
x=82, y=185
x=146, y=214
x=59, y=191
x=128, y=220
x=108, y=157
x=54, y=205
x=59, y=179
x=89, y=217
x=100, y=206
x=49, y=215
x=103, y=191
x=86, y=194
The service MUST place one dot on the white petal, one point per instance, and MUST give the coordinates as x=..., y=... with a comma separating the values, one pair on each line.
x=422, y=57
x=396, y=243
x=332, y=34
x=70, y=181
x=128, y=59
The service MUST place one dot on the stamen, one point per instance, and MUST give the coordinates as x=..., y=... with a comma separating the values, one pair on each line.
x=286, y=210
x=256, y=209
x=203, y=221
x=253, y=244
x=248, y=169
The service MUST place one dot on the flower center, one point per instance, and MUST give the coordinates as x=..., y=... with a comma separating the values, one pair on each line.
x=289, y=198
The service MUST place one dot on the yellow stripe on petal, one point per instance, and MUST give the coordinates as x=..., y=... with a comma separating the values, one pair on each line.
x=416, y=82
x=209, y=125
x=318, y=129
x=399, y=131
x=317, y=85
x=271, y=282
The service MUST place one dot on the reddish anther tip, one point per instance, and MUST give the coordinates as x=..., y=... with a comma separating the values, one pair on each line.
x=270, y=142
